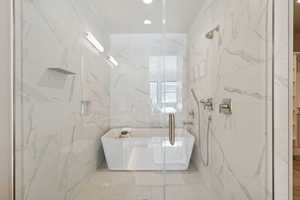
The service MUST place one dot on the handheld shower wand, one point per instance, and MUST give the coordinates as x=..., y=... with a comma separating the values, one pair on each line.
x=195, y=96
x=205, y=162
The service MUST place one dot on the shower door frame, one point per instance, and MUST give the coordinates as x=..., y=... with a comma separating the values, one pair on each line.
x=282, y=61
x=6, y=103
x=290, y=98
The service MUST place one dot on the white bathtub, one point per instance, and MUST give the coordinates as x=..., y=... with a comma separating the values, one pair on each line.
x=147, y=149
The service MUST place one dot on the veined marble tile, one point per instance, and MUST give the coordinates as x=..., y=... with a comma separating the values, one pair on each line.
x=59, y=146
x=233, y=65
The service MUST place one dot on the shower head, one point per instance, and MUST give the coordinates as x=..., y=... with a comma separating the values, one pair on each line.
x=194, y=95
x=211, y=33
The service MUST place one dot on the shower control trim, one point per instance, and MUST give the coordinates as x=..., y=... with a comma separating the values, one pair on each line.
x=188, y=123
x=225, y=107
x=208, y=104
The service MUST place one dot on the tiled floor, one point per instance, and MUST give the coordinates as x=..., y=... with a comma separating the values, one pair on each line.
x=296, y=180
x=113, y=185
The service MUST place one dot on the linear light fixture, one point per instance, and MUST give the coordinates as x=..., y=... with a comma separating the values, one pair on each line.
x=112, y=60
x=90, y=37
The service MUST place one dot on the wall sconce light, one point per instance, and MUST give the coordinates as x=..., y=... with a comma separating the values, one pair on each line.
x=90, y=37
x=112, y=61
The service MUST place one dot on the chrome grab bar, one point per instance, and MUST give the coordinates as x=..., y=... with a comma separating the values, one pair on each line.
x=172, y=128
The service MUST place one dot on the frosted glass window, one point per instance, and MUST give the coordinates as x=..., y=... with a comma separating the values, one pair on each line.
x=153, y=92
x=165, y=82
x=169, y=92
x=167, y=65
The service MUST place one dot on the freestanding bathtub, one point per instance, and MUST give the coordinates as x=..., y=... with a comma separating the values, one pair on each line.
x=147, y=149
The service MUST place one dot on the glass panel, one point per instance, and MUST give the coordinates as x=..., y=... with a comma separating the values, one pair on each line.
x=217, y=78
x=96, y=81
x=90, y=109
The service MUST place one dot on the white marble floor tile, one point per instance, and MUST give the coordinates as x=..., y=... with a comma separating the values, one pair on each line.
x=124, y=185
x=188, y=192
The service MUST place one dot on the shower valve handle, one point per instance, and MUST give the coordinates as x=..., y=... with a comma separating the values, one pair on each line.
x=208, y=104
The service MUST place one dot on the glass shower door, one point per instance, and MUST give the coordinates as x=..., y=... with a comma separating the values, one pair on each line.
x=91, y=113
x=217, y=74
x=97, y=80
x=217, y=79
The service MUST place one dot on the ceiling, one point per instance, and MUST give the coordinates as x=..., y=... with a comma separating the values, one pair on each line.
x=127, y=16
x=297, y=18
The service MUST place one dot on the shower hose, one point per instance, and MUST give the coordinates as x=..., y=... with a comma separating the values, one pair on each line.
x=206, y=161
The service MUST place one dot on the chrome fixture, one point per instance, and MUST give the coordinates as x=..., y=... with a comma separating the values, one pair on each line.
x=187, y=123
x=225, y=107
x=210, y=34
x=206, y=161
x=84, y=107
x=172, y=128
x=192, y=114
x=208, y=104
x=195, y=96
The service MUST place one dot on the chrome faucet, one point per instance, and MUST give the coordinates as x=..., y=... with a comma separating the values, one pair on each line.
x=225, y=107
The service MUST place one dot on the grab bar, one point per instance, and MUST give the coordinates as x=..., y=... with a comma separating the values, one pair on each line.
x=172, y=128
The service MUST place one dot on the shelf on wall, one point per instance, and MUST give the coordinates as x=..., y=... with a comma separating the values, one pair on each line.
x=62, y=70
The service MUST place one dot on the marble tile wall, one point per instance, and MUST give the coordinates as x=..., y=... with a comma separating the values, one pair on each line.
x=55, y=142
x=130, y=82
x=234, y=64
x=57, y=145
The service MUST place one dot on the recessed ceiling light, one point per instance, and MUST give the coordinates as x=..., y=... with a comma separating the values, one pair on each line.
x=147, y=1
x=147, y=22
x=164, y=21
